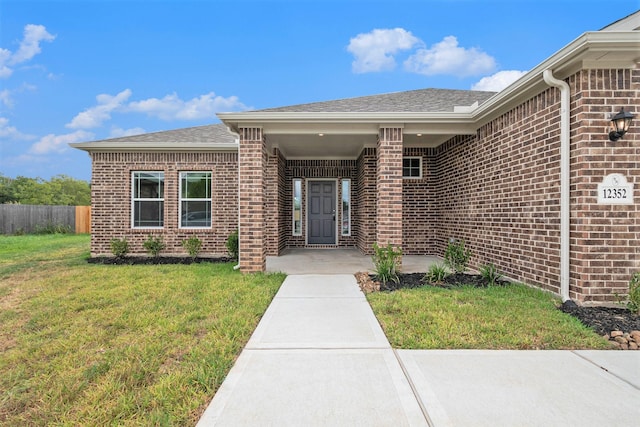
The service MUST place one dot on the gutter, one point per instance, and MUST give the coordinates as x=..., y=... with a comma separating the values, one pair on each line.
x=565, y=174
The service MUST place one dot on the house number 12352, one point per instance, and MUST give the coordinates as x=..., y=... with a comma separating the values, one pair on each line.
x=615, y=190
x=614, y=193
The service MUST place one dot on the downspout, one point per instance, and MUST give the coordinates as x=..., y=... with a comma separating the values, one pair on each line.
x=565, y=181
x=237, y=135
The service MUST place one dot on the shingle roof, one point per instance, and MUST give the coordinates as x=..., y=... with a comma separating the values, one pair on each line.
x=216, y=133
x=423, y=100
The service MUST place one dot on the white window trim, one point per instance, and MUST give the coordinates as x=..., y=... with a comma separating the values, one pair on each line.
x=134, y=200
x=293, y=208
x=342, y=218
x=411, y=158
x=181, y=199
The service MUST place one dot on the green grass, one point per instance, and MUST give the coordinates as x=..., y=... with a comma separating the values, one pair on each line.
x=84, y=344
x=509, y=317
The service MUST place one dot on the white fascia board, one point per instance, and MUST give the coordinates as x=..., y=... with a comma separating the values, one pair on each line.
x=123, y=146
x=249, y=119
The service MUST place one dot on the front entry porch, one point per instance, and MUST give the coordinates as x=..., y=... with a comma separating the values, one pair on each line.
x=338, y=261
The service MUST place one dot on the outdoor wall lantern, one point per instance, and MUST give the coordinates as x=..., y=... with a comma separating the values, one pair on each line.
x=620, y=122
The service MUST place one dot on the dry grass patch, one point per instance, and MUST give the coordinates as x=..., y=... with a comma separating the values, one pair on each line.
x=117, y=345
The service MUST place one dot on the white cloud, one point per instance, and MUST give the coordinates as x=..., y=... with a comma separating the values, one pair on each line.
x=171, y=107
x=59, y=143
x=117, y=132
x=94, y=117
x=11, y=132
x=498, y=81
x=447, y=57
x=29, y=47
x=5, y=71
x=374, y=51
x=5, y=98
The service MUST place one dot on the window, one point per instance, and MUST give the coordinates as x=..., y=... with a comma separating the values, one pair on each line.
x=195, y=199
x=346, y=207
x=148, y=199
x=412, y=167
x=297, y=207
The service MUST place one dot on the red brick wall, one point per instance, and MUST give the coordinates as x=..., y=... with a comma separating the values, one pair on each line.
x=364, y=195
x=389, y=187
x=500, y=190
x=253, y=164
x=419, y=215
x=111, y=200
x=605, y=239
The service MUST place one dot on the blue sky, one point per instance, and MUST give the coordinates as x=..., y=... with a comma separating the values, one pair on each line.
x=73, y=71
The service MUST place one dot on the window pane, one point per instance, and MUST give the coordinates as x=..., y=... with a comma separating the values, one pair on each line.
x=148, y=185
x=196, y=214
x=196, y=185
x=297, y=207
x=411, y=167
x=148, y=214
x=346, y=207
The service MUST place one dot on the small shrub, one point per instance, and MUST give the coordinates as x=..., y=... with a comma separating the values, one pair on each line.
x=490, y=273
x=119, y=247
x=233, y=245
x=154, y=245
x=436, y=273
x=634, y=293
x=456, y=256
x=192, y=245
x=385, y=262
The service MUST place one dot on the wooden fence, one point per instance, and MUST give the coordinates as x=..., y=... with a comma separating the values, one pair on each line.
x=28, y=218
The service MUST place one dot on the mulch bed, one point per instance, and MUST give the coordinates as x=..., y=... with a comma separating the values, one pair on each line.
x=616, y=324
x=143, y=260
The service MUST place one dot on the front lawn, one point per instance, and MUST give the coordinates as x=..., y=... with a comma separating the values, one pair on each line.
x=84, y=344
x=497, y=317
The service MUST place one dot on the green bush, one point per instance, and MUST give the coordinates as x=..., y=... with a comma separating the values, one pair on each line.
x=436, y=273
x=456, y=256
x=192, y=245
x=154, y=245
x=385, y=262
x=490, y=273
x=119, y=247
x=634, y=293
x=233, y=245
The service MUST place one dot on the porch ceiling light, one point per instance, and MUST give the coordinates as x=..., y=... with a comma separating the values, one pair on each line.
x=620, y=124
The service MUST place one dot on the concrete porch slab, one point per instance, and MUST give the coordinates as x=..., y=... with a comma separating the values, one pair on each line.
x=523, y=388
x=315, y=388
x=338, y=261
x=320, y=286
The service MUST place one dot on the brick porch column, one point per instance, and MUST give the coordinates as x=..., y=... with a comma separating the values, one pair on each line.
x=252, y=163
x=389, y=187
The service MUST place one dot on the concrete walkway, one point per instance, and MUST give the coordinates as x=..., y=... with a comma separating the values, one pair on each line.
x=319, y=358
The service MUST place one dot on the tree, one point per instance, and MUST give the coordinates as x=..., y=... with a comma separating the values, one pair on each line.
x=61, y=190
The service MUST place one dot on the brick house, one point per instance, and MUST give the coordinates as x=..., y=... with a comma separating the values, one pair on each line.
x=516, y=174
